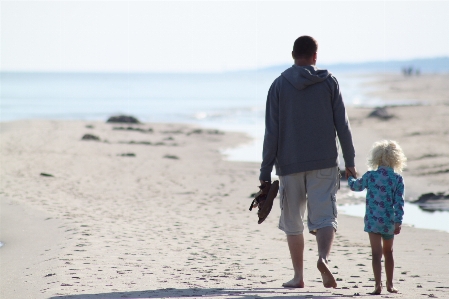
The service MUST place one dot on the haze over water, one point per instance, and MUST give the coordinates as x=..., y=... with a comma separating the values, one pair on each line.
x=219, y=98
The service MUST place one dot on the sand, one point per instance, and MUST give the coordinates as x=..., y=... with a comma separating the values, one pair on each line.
x=172, y=221
x=421, y=130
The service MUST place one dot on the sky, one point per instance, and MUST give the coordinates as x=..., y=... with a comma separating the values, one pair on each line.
x=213, y=36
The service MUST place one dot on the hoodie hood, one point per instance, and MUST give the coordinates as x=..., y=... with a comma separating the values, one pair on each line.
x=302, y=76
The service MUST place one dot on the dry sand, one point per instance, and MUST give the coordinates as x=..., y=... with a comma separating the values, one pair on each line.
x=173, y=220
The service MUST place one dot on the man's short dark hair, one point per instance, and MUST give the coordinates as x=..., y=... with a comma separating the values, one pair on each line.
x=304, y=47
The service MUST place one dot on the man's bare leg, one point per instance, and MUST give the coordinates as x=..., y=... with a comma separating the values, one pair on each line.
x=296, y=246
x=324, y=239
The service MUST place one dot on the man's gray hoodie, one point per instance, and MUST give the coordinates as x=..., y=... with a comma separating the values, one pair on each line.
x=304, y=115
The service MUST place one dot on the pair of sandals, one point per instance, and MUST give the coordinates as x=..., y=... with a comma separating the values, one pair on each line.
x=264, y=199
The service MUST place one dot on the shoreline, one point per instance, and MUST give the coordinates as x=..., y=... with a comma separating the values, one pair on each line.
x=421, y=130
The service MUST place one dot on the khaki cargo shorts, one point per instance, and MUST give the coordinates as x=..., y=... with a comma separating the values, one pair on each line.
x=315, y=190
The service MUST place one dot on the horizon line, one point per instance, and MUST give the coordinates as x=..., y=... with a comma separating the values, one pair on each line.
x=264, y=68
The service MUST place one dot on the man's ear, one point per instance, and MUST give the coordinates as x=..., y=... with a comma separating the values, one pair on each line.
x=315, y=56
x=293, y=55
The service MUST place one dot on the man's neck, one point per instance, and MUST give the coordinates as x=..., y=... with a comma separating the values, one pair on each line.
x=304, y=62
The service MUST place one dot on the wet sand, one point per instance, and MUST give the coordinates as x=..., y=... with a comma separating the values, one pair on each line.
x=172, y=221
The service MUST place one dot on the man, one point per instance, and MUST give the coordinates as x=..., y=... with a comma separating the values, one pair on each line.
x=304, y=115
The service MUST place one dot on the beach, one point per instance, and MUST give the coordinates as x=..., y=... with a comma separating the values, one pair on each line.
x=422, y=129
x=154, y=210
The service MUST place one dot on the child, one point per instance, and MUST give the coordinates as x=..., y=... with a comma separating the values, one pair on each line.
x=384, y=206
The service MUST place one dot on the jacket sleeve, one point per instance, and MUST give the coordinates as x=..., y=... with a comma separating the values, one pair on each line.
x=270, y=143
x=398, y=201
x=358, y=184
x=341, y=124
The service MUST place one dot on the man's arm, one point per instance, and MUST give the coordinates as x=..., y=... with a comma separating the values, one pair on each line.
x=343, y=129
x=270, y=143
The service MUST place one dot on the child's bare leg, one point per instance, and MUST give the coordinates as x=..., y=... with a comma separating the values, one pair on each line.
x=296, y=247
x=389, y=264
x=376, y=253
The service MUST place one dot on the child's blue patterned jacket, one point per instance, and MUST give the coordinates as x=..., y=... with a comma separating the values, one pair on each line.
x=384, y=199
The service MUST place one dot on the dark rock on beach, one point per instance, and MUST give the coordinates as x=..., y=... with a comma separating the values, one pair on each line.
x=431, y=196
x=139, y=142
x=433, y=202
x=150, y=130
x=171, y=157
x=127, y=155
x=381, y=113
x=46, y=174
x=201, y=131
x=123, y=119
x=147, y=143
x=90, y=137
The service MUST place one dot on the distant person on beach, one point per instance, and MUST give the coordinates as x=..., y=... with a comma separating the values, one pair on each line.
x=384, y=206
x=304, y=114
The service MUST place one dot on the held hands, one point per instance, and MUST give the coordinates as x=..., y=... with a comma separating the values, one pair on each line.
x=397, y=228
x=351, y=171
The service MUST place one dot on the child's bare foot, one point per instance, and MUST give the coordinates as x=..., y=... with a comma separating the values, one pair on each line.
x=391, y=288
x=294, y=283
x=328, y=278
x=377, y=290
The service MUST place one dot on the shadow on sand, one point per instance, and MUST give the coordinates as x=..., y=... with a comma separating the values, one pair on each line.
x=273, y=293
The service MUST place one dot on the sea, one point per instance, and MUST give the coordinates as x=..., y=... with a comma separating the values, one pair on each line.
x=229, y=101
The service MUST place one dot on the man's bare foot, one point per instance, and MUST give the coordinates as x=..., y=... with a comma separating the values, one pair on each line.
x=328, y=278
x=377, y=290
x=294, y=283
x=391, y=288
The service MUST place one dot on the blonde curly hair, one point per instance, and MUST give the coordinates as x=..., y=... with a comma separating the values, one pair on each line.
x=387, y=153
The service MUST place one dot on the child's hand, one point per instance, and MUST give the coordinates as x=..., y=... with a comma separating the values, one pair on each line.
x=397, y=228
